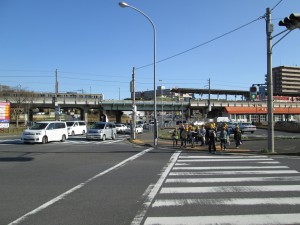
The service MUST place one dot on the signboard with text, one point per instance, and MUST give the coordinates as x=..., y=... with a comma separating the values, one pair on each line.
x=4, y=114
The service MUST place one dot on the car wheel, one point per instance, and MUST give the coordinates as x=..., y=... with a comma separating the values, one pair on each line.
x=63, y=138
x=73, y=133
x=103, y=138
x=45, y=140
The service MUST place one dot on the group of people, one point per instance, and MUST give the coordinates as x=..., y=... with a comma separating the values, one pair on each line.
x=206, y=135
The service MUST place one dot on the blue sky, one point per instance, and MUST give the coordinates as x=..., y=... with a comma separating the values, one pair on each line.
x=95, y=44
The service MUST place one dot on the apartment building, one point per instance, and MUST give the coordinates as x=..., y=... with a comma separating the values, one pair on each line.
x=286, y=80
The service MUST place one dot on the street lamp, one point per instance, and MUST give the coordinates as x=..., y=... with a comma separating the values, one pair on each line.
x=124, y=5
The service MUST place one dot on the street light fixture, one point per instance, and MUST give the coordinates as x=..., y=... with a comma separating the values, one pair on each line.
x=124, y=5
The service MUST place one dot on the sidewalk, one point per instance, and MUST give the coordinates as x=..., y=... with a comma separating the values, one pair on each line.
x=147, y=139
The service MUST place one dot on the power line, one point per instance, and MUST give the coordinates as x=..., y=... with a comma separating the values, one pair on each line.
x=204, y=43
x=276, y=5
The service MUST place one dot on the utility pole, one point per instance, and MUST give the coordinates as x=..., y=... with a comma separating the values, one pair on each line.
x=133, y=124
x=269, y=30
x=209, y=106
x=56, y=107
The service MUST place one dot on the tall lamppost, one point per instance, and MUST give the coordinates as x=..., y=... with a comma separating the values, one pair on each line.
x=124, y=5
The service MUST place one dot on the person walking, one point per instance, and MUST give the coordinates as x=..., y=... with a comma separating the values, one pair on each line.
x=201, y=134
x=223, y=138
x=237, y=136
x=184, y=135
x=212, y=140
x=175, y=137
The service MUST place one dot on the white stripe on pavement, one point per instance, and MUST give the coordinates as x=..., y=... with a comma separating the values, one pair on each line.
x=221, y=157
x=231, y=179
x=261, y=219
x=224, y=160
x=224, y=189
x=228, y=167
x=233, y=172
x=227, y=201
x=153, y=190
x=65, y=194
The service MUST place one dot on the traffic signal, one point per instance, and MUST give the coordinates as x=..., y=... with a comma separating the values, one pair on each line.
x=291, y=22
x=253, y=92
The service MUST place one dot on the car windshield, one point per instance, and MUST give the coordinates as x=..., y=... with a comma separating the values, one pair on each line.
x=97, y=126
x=38, y=126
x=69, y=124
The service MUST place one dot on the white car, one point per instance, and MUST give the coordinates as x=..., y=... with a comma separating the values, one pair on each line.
x=121, y=128
x=76, y=127
x=46, y=131
x=138, y=130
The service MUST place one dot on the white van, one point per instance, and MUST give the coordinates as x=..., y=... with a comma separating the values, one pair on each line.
x=102, y=131
x=46, y=131
x=76, y=127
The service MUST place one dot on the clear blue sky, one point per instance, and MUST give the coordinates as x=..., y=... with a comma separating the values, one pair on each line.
x=94, y=44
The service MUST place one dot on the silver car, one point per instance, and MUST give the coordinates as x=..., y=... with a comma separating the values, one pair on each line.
x=247, y=127
x=102, y=131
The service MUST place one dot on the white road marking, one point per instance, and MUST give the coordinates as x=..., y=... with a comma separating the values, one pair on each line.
x=229, y=167
x=222, y=157
x=229, y=179
x=153, y=190
x=227, y=201
x=233, y=172
x=224, y=160
x=65, y=194
x=224, y=189
x=259, y=219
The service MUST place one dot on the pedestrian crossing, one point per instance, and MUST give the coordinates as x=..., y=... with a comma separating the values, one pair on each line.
x=95, y=142
x=226, y=189
x=74, y=141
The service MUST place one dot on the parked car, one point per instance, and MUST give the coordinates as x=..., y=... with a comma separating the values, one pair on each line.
x=121, y=127
x=76, y=127
x=247, y=127
x=46, y=131
x=102, y=131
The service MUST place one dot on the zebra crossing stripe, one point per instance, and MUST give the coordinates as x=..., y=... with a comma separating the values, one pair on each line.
x=114, y=141
x=254, y=219
x=224, y=189
x=229, y=167
x=224, y=160
x=227, y=201
x=233, y=172
x=229, y=179
x=222, y=156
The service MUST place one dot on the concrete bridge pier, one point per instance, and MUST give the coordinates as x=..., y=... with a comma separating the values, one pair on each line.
x=84, y=115
x=103, y=116
x=119, y=116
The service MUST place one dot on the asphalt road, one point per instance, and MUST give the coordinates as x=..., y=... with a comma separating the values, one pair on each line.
x=114, y=183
